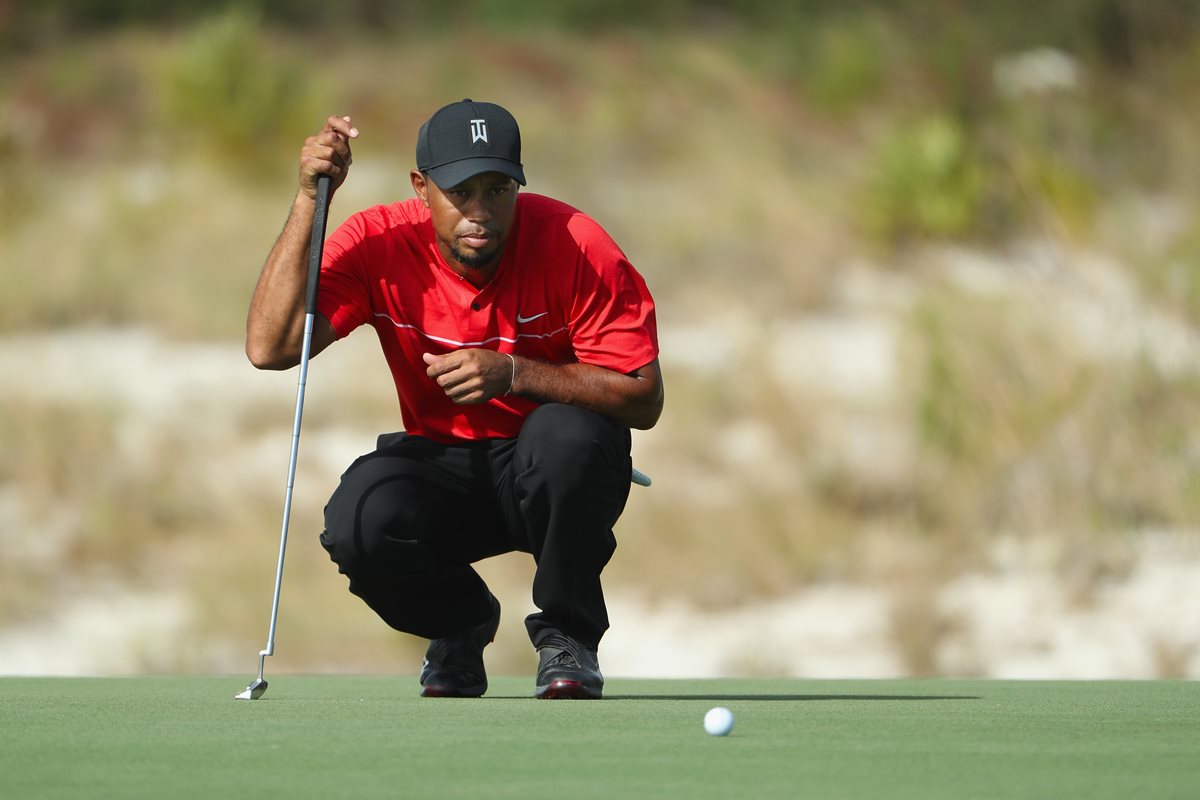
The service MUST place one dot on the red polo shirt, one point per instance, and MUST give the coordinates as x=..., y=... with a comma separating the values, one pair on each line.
x=563, y=292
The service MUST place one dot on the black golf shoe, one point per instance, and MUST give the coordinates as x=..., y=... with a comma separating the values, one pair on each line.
x=454, y=666
x=567, y=670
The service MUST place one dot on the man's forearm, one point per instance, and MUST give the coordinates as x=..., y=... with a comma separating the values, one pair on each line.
x=275, y=322
x=634, y=400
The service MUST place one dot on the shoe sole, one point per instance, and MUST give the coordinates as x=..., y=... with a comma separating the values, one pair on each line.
x=447, y=691
x=567, y=690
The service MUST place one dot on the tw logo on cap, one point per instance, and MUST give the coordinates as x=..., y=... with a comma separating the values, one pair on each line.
x=478, y=130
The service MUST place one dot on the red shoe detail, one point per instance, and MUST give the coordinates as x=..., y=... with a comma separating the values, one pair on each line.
x=568, y=690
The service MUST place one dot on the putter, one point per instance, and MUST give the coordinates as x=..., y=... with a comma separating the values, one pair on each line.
x=259, y=686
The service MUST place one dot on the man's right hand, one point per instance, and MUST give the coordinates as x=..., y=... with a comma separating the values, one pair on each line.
x=327, y=153
x=275, y=322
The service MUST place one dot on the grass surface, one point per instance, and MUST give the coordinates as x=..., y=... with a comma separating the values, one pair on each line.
x=372, y=737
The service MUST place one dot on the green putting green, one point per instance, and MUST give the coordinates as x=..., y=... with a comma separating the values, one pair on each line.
x=364, y=737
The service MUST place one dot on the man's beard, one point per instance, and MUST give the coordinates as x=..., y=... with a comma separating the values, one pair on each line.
x=473, y=261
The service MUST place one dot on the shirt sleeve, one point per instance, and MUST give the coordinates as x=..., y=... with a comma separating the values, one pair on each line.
x=612, y=319
x=343, y=294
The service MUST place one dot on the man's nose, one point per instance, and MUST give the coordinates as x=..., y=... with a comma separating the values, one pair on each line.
x=477, y=208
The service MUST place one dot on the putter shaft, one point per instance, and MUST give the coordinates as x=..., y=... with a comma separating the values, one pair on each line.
x=256, y=689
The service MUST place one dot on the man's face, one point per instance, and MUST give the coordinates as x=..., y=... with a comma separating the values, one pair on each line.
x=473, y=219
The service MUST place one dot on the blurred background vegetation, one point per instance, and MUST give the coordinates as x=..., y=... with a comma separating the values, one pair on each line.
x=928, y=277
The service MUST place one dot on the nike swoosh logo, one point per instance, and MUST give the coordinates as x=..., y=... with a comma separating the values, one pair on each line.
x=522, y=320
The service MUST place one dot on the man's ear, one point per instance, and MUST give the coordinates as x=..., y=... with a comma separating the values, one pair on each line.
x=419, y=185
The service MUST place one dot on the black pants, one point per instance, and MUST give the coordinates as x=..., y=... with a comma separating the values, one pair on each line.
x=409, y=519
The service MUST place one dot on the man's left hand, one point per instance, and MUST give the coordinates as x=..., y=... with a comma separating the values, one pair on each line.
x=471, y=376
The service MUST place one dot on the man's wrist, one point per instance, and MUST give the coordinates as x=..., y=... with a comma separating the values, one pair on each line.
x=512, y=381
x=303, y=201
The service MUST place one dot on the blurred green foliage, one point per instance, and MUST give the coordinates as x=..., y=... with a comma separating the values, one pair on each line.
x=929, y=181
x=1115, y=32
x=1109, y=25
x=842, y=62
x=241, y=98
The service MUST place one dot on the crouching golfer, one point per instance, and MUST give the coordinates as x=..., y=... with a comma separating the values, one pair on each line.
x=523, y=346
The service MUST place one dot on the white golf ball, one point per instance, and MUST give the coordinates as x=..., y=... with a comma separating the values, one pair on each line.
x=718, y=721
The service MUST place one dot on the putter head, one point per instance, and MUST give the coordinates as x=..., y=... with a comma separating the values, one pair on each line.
x=253, y=691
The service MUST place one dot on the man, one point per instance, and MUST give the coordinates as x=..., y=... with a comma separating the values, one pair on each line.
x=523, y=346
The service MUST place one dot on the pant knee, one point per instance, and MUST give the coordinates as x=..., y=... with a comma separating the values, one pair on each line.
x=565, y=439
x=376, y=526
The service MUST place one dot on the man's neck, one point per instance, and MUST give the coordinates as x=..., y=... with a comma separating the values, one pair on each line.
x=478, y=277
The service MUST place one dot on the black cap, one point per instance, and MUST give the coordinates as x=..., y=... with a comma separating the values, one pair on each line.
x=466, y=138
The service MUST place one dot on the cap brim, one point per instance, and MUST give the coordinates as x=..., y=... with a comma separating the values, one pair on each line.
x=454, y=173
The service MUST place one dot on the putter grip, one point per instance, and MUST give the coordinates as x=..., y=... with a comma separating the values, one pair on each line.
x=317, y=244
